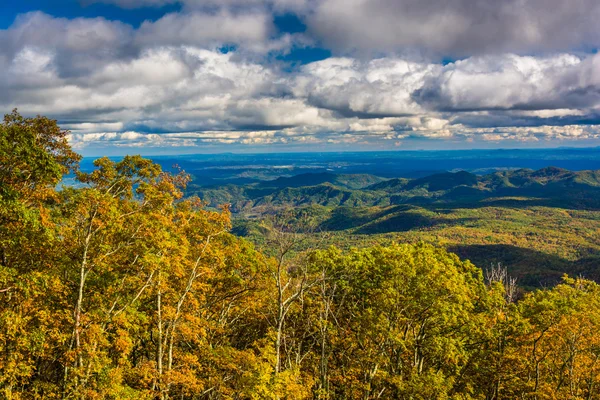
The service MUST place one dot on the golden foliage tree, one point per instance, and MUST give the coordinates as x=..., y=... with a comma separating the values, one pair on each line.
x=120, y=287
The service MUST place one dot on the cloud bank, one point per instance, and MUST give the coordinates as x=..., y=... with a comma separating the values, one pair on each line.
x=214, y=74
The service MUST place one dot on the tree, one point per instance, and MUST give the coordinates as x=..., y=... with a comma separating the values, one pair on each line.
x=121, y=287
x=561, y=344
x=408, y=312
x=34, y=155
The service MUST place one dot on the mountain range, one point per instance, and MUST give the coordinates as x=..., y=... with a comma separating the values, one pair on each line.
x=579, y=189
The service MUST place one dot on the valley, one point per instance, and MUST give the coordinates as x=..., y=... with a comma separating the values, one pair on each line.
x=540, y=224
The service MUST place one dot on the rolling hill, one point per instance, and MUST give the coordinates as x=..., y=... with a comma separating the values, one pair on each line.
x=539, y=223
x=548, y=186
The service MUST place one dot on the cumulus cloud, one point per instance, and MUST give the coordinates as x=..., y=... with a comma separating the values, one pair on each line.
x=354, y=88
x=80, y=45
x=545, y=132
x=251, y=30
x=504, y=82
x=456, y=27
x=167, y=83
x=171, y=89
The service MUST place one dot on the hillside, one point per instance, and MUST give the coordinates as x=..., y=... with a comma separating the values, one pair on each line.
x=540, y=224
x=348, y=181
x=578, y=189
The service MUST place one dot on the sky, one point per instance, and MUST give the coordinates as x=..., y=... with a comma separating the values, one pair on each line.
x=210, y=76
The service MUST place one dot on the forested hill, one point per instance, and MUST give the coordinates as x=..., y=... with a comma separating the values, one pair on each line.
x=577, y=188
x=347, y=181
x=540, y=224
x=121, y=287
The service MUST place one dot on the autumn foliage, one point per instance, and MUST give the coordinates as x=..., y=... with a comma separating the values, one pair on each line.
x=119, y=287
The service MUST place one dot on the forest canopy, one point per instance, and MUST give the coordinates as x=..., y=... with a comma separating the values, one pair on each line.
x=121, y=287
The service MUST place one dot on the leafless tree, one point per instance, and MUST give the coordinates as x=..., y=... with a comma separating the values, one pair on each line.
x=287, y=239
x=499, y=273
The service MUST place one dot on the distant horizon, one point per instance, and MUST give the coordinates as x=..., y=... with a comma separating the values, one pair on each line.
x=211, y=169
x=283, y=151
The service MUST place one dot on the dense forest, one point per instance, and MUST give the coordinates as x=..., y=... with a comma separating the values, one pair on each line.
x=540, y=224
x=547, y=186
x=123, y=287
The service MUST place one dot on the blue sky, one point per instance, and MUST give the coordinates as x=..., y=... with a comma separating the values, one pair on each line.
x=74, y=9
x=194, y=76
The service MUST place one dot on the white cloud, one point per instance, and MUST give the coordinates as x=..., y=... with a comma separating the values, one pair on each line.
x=79, y=34
x=500, y=82
x=353, y=87
x=561, y=112
x=188, y=89
x=157, y=66
x=545, y=132
x=456, y=27
x=91, y=127
x=80, y=45
x=252, y=30
x=113, y=84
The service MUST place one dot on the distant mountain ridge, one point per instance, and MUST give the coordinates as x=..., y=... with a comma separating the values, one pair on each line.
x=329, y=189
x=350, y=181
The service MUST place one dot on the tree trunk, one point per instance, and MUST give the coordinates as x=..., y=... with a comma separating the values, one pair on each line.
x=160, y=350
